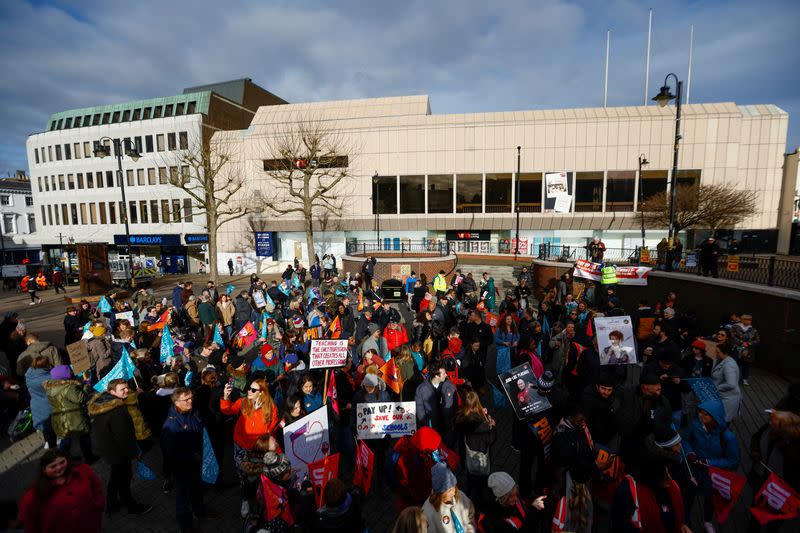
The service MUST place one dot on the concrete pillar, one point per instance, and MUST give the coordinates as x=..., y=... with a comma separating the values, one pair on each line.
x=791, y=162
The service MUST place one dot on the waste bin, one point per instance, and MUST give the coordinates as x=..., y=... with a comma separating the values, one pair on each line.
x=392, y=290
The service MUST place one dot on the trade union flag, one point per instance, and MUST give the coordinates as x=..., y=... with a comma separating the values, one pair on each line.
x=775, y=501
x=727, y=487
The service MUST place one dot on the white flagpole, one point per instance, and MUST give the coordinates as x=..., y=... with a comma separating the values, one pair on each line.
x=647, y=63
x=605, y=86
x=689, y=73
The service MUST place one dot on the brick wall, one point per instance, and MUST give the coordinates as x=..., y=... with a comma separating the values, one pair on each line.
x=430, y=265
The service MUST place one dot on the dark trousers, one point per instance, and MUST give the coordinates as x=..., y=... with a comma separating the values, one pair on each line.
x=85, y=442
x=188, y=496
x=119, y=485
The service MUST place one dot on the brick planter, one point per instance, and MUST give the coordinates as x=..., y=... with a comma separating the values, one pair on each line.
x=390, y=265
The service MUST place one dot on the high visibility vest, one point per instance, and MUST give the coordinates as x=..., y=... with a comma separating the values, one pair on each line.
x=635, y=520
x=608, y=275
x=439, y=283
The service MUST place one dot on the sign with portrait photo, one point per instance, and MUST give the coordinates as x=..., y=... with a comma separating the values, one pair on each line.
x=615, y=340
x=522, y=389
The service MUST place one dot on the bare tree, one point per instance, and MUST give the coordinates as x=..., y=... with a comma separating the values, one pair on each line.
x=247, y=240
x=310, y=168
x=707, y=206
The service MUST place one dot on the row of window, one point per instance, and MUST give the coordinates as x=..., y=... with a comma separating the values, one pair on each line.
x=10, y=226
x=8, y=200
x=128, y=115
x=139, y=212
x=152, y=143
x=492, y=192
x=97, y=180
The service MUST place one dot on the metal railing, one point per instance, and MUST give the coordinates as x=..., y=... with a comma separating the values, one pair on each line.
x=439, y=248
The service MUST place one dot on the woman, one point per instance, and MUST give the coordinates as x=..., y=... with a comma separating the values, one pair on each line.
x=697, y=364
x=312, y=399
x=564, y=288
x=725, y=375
x=411, y=520
x=226, y=313
x=478, y=429
x=35, y=378
x=63, y=497
x=99, y=348
x=258, y=416
x=293, y=412
x=651, y=502
x=447, y=510
x=69, y=419
x=506, y=339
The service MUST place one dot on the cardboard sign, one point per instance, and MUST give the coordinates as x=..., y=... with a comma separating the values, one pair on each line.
x=307, y=441
x=644, y=255
x=258, y=298
x=522, y=390
x=376, y=420
x=615, y=341
x=79, y=357
x=328, y=353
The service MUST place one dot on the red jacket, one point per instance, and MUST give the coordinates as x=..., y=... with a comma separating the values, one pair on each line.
x=248, y=428
x=395, y=337
x=75, y=507
x=414, y=465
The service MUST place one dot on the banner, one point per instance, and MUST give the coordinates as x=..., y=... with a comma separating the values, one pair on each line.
x=167, y=345
x=246, y=336
x=626, y=275
x=306, y=441
x=390, y=374
x=375, y=420
x=322, y=471
x=365, y=463
x=127, y=315
x=615, y=340
x=609, y=463
x=522, y=390
x=587, y=270
x=328, y=353
x=727, y=487
x=544, y=432
x=218, y=337
x=79, y=357
x=332, y=395
x=775, y=501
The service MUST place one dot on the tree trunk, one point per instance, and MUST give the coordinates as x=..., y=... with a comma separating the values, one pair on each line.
x=310, y=244
x=211, y=220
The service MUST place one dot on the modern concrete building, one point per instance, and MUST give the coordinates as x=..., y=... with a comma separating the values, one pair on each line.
x=78, y=199
x=432, y=178
x=17, y=221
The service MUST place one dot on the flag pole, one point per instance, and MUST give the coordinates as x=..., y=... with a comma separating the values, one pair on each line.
x=325, y=389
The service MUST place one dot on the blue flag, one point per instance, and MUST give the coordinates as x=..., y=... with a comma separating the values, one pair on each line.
x=210, y=469
x=270, y=301
x=264, y=317
x=87, y=326
x=704, y=389
x=218, y=338
x=295, y=281
x=229, y=289
x=167, y=344
x=283, y=288
x=122, y=370
x=104, y=306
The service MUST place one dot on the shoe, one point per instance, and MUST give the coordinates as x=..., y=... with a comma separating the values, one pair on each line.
x=245, y=510
x=745, y=383
x=709, y=527
x=168, y=485
x=140, y=509
x=32, y=303
x=39, y=300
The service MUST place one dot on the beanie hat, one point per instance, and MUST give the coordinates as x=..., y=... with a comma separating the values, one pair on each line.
x=649, y=378
x=666, y=437
x=372, y=328
x=454, y=345
x=275, y=465
x=442, y=478
x=298, y=322
x=61, y=372
x=370, y=380
x=501, y=484
x=699, y=344
x=98, y=330
x=265, y=349
x=546, y=381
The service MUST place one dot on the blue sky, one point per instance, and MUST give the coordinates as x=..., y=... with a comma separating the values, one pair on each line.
x=468, y=55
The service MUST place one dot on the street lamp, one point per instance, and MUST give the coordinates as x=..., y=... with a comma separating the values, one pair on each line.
x=516, y=248
x=377, y=206
x=102, y=150
x=662, y=99
x=643, y=162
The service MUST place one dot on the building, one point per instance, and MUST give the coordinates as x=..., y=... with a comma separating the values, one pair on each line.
x=18, y=221
x=427, y=178
x=78, y=199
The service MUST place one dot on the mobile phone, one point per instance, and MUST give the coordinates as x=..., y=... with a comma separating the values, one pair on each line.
x=230, y=382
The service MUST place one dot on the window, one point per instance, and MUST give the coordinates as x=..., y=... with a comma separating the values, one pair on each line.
x=140, y=176
x=132, y=215
x=96, y=119
x=46, y=184
x=176, y=210
x=99, y=181
x=165, y=211
x=157, y=111
x=160, y=142
x=143, y=211
x=44, y=154
x=109, y=178
x=74, y=213
x=148, y=143
x=154, y=211
x=146, y=113
x=183, y=140
x=498, y=193
x=32, y=223
x=67, y=152
x=168, y=110
x=115, y=117
x=39, y=183
x=61, y=186
x=689, y=179
x=53, y=183
x=179, y=109
x=64, y=217
x=87, y=120
x=112, y=213
x=173, y=174
x=56, y=212
x=185, y=172
x=58, y=152
x=137, y=141
x=87, y=150
x=5, y=199
x=76, y=149
x=412, y=195
x=137, y=113
x=151, y=176
x=84, y=218
x=114, y=146
x=68, y=123
x=126, y=115
x=440, y=193
x=77, y=123
x=106, y=118
x=129, y=178
x=653, y=182
x=70, y=182
x=92, y=213
x=187, y=210
x=80, y=180
x=469, y=193
x=101, y=207
x=60, y=123
x=8, y=225
x=384, y=195
x=49, y=215
x=191, y=108
x=588, y=192
x=50, y=153
x=36, y=155
x=171, y=141
x=89, y=180
x=619, y=190
x=29, y=201
x=162, y=175
x=530, y=192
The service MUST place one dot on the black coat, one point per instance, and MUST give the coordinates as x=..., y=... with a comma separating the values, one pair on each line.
x=115, y=436
x=73, y=329
x=706, y=364
x=601, y=414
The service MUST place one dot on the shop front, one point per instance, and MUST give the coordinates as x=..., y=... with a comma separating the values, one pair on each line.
x=154, y=254
x=197, y=251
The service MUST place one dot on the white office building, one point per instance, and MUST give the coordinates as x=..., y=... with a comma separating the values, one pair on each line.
x=17, y=221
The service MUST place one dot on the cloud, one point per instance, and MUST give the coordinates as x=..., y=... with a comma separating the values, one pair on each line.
x=468, y=55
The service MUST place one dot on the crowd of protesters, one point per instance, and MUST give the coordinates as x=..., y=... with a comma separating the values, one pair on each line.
x=449, y=341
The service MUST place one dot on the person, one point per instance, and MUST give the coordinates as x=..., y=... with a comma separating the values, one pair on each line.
x=73, y=328
x=312, y=398
x=642, y=410
x=650, y=503
x=673, y=384
x=509, y=512
x=615, y=353
x=411, y=520
x=207, y=315
x=67, y=400
x=725, y=375
x=35, y=378
x=747, y=341
x=368, y=271
x=416, y=454
x=116, y=442
x=435, y=399
x=177, y=296
x=697, y=364
x=479, y=432
x=37, y=348
x=58, y=280
x=596, y=249
x=439, y=284
x=448, y=510
x=29, y=284
x=341, y=508
x=182, y=442
x=64, y=497
x=600, y=404
x=709, y=252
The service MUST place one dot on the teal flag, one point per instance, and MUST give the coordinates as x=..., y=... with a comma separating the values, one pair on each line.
x=264, y=317
x=104, y=306
x=167, y=344
x=218, y=338
x=122, y=370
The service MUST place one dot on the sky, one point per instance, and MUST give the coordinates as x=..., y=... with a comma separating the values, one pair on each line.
x=467, y=55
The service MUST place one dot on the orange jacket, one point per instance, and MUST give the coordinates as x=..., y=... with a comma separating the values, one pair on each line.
x=248, y=428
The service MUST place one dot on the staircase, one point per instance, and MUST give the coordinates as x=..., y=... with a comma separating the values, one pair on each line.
x=505, y=277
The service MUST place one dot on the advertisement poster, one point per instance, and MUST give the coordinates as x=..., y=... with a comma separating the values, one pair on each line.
x=615, y=340
x=521, y=388
x=376, y=420
x=307, y=441
x=328, y=353
x=555, y=184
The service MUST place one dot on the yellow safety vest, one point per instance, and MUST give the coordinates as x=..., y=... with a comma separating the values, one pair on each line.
x=439, y=283
x=608, y=275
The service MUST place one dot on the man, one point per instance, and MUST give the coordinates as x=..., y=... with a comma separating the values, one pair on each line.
x=208, y=315
x=35, y=348
x=440, y=284
x=469, y=290
x=642, y=410
x=116, y=442
x=436, y=399
x=73, y=329
x=522, y=292
x=409, y=286
x=212, y=292
x=600, y=405
x=476, y=328
x=385, y=314
x=596, y=250
x=559, y=346
x=368, y=271
x=230, y=266
x=177, y=296
x=243, y=310
x=664, y=344
x=362, y=325
x=525, y=275
x=673, y=384
x=58, y=280
x=709, y=252
x=182, y=444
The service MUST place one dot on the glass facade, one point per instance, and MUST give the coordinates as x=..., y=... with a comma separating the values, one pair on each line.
x=530, y=192
x=440, y=193
x=588, y=192
x=620, y=186
x=384, y=195
x=498, y=193
x=469, y=193
x=412, y=195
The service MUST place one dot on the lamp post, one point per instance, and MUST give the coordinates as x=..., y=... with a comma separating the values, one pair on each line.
x=643, y=162
x=516, y=248
x=377, y=207
x=662, y=99
x=102, y=150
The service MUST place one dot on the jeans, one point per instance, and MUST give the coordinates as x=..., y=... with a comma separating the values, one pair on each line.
x=85, y=442
x=119, y=486
x=744, y=369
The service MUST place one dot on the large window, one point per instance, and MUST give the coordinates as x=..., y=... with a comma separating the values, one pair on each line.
x=151, y=176
x=498, y=193
x=165, y=211
x=469, y=193
x=133, y=217
x=176, y=210
x=92, y=213
x=101, y=208
x=84, y=217
x=171, y=141
x=154, y=211
x=70, y=182
x=160, y=142
x=619, y=190
x=187, y=210
x=64, y=214
x=73, y=208
x=412, y=195
x=8, y=225
x=384, y=195
x=183, y=140
x=112, y=213
x=653, y=182
x=588, y=191
x=143, y=211
x=32, y=223
x=440, y=193
x=530, y=192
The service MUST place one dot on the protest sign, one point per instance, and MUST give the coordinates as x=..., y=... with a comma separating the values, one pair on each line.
x=521, y=388
x=322, y=471
x=615, y=340
x=555, y=184
x=78, y=357
x=704, y=389
x=328, y=353
x=307, y=441
x=258, y=298
x=127, y=315
x=375, y=420
x=563, y=203
x=626, y=275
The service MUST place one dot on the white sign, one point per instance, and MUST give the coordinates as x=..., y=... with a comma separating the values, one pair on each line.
x=328, y=353
x=374, y=420
x=615, y=340
x=555, y=184
x=258, y=298
x=563, y=203
x=633, y=275
x=306, y=441
x=127, y=315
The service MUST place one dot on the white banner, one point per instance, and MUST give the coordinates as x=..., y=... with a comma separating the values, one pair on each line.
x=626, y=275
x=587, y=270
x=374, y=420
x=306, y=441
x=328, y=353
x=615, y=341
x=563, y=203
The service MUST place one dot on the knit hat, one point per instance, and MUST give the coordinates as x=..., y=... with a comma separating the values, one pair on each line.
x=501, y=484
x=442, y=478
x=370, y=380
x=649, y=378
x=298, y=323
x=71, y=309
x=61, y=372
x=699, y=344
x=546, y=381
x=275, y=465
x=265, y=349
x=372, y=328
x=666, y=437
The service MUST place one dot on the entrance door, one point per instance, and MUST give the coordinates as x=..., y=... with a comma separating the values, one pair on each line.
x=175, y=264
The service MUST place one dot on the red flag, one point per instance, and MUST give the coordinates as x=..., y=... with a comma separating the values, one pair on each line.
x=331, y=394
x=365, y=462
x=322, y=471
x=162, y=320
x=245, y=336
x=391, y=375
x=775, y=501
x=276, y=501
x=727, y=487
x=335, y=328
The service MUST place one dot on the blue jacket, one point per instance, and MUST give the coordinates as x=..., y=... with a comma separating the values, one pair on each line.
x=312, y=402
x=40, y=406
x=410, y=281
x=182, y=440
x=708, y=445
x=177, y=296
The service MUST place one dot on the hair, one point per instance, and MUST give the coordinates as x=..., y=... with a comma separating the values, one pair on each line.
x=579, y=500
x=41, y=485
x=171, y=379
x=401, y=353
x=335, y=493
x=290, y=402
x=266, y=402
x=305, y=379
x=724, y=347
x=265, y=443
x=436, y=499
x=471, y=408
x=616, y=334
x=31, y=337
x=434, y=367
x=41, y=361
x=209, y=377
x=114, y=383
x=411, y=520
x=512, y=328
x=179, y=393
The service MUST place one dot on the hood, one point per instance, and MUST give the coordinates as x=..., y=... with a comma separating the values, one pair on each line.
x=56, y=383
x=716, y=410
x=39, y=348
x=426, y=439
x=104, y=403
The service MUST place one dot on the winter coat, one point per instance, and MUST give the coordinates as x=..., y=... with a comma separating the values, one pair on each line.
x=40, y=407
x=34, y=350
x=182, y=440
x=601, y=414
x=441, y=521
x=725, y=375
x=414, y=462
x=705, y=366
x=177, y=297
x=192, y=312
x=345, y=517
x=226, y=313
x=395, y=337
x=559, y=345
x=435, y=407
x=476, y=433
x=638, y=417
x=75, y=506
x=243, y=310
x=73, y=329
x=717, y=447
x=749, y=335
x=207, y=313
x=68, y=402
x=140, y=426
x=114, y=431
x=100, y=354
x=250, y=427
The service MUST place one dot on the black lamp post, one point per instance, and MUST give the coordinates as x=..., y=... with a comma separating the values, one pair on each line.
x=643, y=162
x=102, y=150
x=662, y=99
x=516, y=248
x=377, y=207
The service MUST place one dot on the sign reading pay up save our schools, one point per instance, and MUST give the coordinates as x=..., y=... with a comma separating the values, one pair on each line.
x=374, y=420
